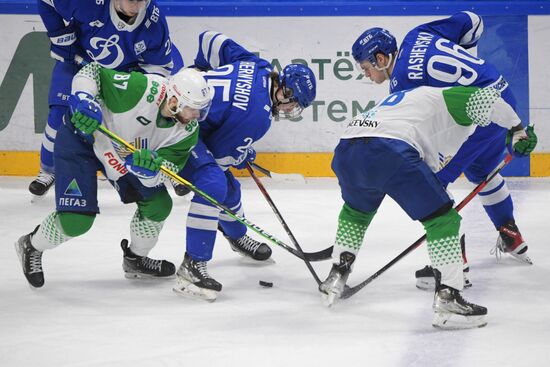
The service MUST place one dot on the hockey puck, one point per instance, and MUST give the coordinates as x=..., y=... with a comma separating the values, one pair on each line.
x=266, y=284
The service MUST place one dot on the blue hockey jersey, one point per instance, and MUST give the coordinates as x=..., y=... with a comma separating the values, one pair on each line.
x=241, y=108
x=435, y=54
x=105, y=38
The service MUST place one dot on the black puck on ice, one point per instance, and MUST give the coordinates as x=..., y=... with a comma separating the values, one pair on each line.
x=266, y=284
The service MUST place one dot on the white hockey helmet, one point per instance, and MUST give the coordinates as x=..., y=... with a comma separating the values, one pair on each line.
x=190, y=89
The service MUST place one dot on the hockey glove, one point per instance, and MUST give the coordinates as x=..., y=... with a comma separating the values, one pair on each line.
x=64, y=46
x=249, y=156
x=521, y=142
x=86, y=113
x=144, y=163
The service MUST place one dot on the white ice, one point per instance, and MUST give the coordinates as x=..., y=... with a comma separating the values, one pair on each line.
x=88, y=314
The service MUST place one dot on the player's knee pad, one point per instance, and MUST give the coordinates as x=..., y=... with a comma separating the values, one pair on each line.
x=157, y=207
x=76, y=224
x=443, y=225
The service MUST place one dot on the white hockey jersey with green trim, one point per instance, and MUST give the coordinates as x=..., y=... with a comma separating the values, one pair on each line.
x=435, y=121
x=131, y=104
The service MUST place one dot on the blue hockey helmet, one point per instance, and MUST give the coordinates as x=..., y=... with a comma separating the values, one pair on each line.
x=371, y=42
x=301, y=80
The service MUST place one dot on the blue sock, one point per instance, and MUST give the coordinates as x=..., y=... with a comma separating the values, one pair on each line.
x=497, y=202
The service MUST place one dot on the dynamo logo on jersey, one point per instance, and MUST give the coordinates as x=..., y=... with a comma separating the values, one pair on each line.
x=107, y=48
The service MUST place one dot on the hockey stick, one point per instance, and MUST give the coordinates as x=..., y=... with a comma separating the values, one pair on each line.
x=350, y=291
x=174, y=176
x=288, y=177
x=281, y=220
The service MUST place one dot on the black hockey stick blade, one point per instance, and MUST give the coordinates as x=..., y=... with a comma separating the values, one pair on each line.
x=280, y=177
x=319, y=255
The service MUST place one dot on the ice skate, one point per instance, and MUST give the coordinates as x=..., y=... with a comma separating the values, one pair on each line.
x=193, y=281
x=31, y=260
x=143, y=267
x=511, y=242
x=452, y=311
x=40, y=186
x=333, y=286
x=250, y=248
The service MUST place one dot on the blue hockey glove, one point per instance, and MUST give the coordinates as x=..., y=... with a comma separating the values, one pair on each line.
x=144, y=163
x=249, y=156
x=521, y=142
x=64, y=46
x=86, y=113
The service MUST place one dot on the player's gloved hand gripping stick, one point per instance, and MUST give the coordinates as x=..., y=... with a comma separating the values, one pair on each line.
x=313, y=256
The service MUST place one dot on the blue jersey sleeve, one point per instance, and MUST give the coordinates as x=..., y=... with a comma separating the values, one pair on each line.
x=464, y=28
x=216, y=49
x=51, y=18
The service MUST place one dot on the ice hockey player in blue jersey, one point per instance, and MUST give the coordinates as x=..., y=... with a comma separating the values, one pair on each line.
x=125, y=35
x=440, y=54
x=248, y=94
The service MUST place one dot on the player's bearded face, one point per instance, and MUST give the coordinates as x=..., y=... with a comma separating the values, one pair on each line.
x=130, y=8
x=187, y=115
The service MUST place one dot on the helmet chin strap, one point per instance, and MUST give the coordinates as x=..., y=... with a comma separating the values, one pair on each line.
x=385, y=68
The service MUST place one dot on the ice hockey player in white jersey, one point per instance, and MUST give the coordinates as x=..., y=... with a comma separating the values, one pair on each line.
x=159, y=117
x=124, y=35
x=393, y=149
x=442, y=54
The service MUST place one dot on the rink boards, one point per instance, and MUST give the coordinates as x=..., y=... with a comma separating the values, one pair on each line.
x=516, y=43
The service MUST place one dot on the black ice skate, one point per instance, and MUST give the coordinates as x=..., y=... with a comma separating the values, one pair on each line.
x=31, y=260
x=40, y=186
x=249, y=247
x=511, y=242
x=333, y=286
x=452, y=311
x=425, y=279
x=135, y=266
x=194, y=281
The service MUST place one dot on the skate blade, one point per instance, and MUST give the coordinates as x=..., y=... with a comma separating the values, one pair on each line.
x=425, y=283
x=329, y=298
x=250, y=261
x=191, y=291
x=142, y=276
x=37, y=198
x=452, y=321
x=524, y=259
x=202, y=295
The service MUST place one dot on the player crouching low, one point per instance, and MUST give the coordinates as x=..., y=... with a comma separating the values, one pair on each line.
x=249, y=94
x=393, y=149
x=160, y=115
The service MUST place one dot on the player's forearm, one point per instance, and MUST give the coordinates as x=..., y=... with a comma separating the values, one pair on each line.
x=50, y=17
x=504, y=115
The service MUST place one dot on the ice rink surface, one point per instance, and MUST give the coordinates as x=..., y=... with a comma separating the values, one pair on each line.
x=88, y=314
